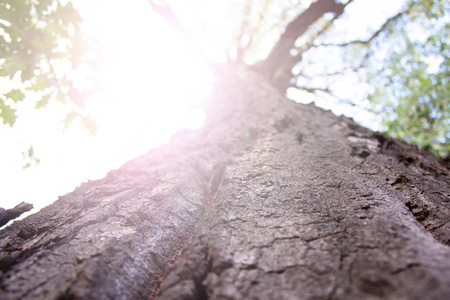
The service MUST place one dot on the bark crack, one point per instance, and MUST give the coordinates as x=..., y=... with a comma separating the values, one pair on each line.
x=215, y=180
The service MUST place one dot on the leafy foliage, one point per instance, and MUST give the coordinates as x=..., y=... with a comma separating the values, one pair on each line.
x=40, y=44
x=413, y=83
x=29, y=158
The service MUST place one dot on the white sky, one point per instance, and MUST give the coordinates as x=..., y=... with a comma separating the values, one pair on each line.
x=152, y=86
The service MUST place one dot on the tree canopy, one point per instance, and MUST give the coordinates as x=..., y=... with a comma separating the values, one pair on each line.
x=412, y=83
x=41, y=47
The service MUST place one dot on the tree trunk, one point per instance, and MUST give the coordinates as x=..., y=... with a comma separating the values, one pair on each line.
x=270, y=200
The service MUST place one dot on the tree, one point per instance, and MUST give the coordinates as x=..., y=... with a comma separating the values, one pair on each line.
x=270, y=200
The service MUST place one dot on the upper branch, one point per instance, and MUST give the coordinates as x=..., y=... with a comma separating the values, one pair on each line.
x=374, y=35
x=316, y=10
x=294, y=30
x=167, y=13
x=13, y=213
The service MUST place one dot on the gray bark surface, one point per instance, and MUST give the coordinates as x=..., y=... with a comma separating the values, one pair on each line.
x=270, y=200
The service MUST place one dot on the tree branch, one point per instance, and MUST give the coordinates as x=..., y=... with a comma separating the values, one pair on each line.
x=316, y=10
x=374, y=35
x=327, y=91
x=13, y=213
x=167, y=13
x=313, y=90
x=274, y=65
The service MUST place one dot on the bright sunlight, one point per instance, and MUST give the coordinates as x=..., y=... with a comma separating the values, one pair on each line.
x=150, y=85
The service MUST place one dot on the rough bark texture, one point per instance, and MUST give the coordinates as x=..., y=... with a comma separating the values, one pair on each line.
x=271, y=200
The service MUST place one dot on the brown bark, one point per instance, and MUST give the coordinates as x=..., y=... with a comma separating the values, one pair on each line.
x=271, y=200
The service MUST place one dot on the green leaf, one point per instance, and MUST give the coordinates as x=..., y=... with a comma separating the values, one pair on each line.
x=12, y=65
x=43, y=102
x=90, y=124
x=3, y=72
x=69, y=118
x=8, y=114
x=27, y=73
x=29, y=158
x=42, y=6
x=40, y=84
x=16, y=95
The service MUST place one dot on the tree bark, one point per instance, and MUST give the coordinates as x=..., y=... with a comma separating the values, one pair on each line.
x=270, y=200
